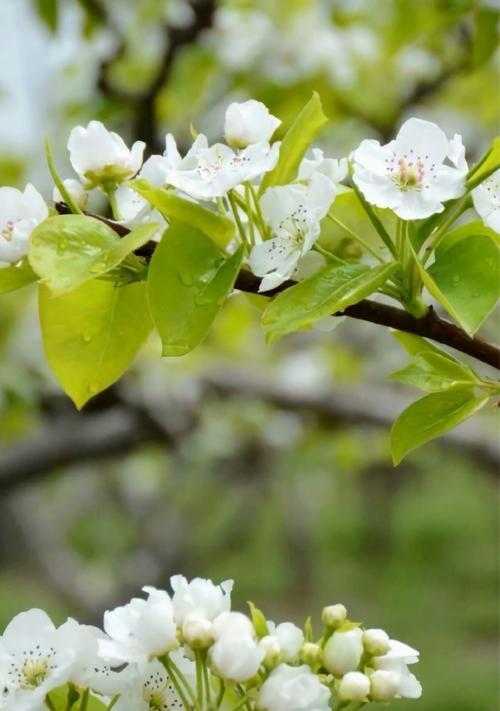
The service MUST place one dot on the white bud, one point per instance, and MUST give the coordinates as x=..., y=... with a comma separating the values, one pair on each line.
x=384, y=685
x=334, y=615
x=236, y=658
x=354, y=686
x=311, y=653
x=343, y=651
x=249, y=122
x=376, y=642
x=76, y=191
x=197, y=631
x=272, y=649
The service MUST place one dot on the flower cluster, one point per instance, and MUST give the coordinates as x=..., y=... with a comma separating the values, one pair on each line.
x=413, y=176
x=188, y=650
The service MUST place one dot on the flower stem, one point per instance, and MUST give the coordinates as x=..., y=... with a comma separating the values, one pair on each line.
x=237, y=218
x=85, y=700
x=250, y=214
x=434, y=238
x=199, y=681
x=113, y=701
x=262, y=224
x=49, y=703
x=356, y=237
x=329, y=255
x=58, y=182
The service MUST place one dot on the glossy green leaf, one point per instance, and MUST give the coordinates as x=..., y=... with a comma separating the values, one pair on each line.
x=467, y=274
x=15, y=277
x=414, y=345
x=68, y=250
x=189, y=280
x=220, y=229
x=431, y=417
x=297, y=140
x=92, y=334
x=328, y=291
x=470, y=229
x=434, y=372
x=259, y=621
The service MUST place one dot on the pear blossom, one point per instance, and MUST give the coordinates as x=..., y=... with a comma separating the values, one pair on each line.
x=272, y=650
x=354, y=686
x=34, y=659
x=343, y=651
x=334, y=615
x=334, y=169
x=397, y=659
x=409, y=175
x=235, y=623
x=76, y=191
x=141, y=629
x=376, y=642
x=290, y=639
x=236, y=657
x=249, y=122
x=220, y=169
x=293, y=689
x=149, y=688
x=293, y=212
x=199, y=594
x=197, y=631
x=101, y=157
x=20, y=213
x=384, y=685
x=486, y=199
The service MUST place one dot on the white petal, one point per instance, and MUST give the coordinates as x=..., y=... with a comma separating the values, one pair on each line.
x=420, y=138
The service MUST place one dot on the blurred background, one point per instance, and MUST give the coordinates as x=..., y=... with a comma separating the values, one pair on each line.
x=266, y=464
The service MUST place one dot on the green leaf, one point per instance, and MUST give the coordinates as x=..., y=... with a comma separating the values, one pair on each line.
x=92, y=334
x=328, y=291
x=466, y=274
x=486, y=166
x=431, y=417
x=15, y=277
x=308, y=630
x=414, y=345
x=470, y=229
x=48, y=11
x=220, y=229
x=68, y=250
x=189, y=280
x=485, y=37
x=297, y=140
x=434, y=372
x=259, y=621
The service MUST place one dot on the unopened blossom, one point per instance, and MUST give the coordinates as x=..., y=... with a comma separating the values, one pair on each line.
x=20, y=213
x=294, y=213
x=234, y=623
x=354, y=686
x=334, y=615
x=272, y=650
x=236, y=657
x=376, y=642
x=197, y=630
x=384, y=685
x=219, y=169
x=334, y=169
x=141, y=629
x=249, y=122
x=101, y=157
x=343, y=651
x=415, y=173
x=290, y=639
x=34, y=659
x=486, y=199
x=293, y=689
x=75, y=190
x=397, y=659
x=200, y=594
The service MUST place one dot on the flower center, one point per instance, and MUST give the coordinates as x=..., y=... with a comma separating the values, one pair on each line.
x=409, y=174
x=7, y=230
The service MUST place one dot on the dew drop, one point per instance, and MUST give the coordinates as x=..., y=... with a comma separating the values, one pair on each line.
x=86, y=337
x=186, y=279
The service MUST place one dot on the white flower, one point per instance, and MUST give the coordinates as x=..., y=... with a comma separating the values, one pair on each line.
x=272, y=649
x=149, y=688
x=376, y=642
x=290, y=639
x=20, y=213
x=75, y=190
x=249, y=122
x=236, y=657
x=334, y=169
x=396, y=660
x=293, y=689
x=409, y=175
x=384, y=685
x=293, y=212
x=354, y=686
x=486, y=199
x=141, y=629
x=200, y=594
x=101, y=157
x=343, y=651
x=233, y=623
x=334, y=615
x=197, y=631
x=219, y=169
x=34, y=659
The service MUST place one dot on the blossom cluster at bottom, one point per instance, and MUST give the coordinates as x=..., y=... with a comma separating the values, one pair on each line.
x=187, y=650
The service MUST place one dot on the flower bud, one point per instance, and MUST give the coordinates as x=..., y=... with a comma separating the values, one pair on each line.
x=76, y=191
x=272, y=649
x=343, y=651
x=311, y=653
x=354, y=686
x=249, y=122
x=197, y=631
x=384, y=685
x=334, y=615
x=376, y=642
